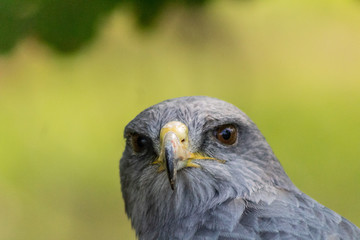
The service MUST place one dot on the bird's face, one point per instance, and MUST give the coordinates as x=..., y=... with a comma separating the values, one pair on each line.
x=174, y=148
x=189, y=151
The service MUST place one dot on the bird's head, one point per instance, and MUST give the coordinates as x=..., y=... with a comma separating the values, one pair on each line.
x=187, y=154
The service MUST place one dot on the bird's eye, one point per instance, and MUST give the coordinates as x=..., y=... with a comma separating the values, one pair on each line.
x=226, y=134
x=139, y=142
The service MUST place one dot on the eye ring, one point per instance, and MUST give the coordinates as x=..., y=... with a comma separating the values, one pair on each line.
x=139, y=142
x=226, y=134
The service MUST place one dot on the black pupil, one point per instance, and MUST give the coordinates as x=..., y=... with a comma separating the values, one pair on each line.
x=226, y=134
x=141, y=142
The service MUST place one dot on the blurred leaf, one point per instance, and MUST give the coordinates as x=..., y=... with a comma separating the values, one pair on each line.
x=66, y=25
x=13, y=15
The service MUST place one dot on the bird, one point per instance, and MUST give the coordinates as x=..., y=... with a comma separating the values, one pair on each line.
x=199, y=168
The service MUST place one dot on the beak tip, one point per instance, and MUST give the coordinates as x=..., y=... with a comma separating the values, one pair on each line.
x=172, y=184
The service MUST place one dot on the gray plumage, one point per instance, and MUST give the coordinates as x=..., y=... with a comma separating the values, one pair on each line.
x=247, y=197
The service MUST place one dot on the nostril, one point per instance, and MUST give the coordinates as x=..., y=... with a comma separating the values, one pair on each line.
x=183, y=140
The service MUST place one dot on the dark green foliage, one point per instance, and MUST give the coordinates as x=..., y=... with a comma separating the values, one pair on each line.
x=66, y=25
x=13, y=22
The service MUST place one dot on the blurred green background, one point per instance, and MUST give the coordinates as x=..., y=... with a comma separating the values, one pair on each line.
x=292, y=66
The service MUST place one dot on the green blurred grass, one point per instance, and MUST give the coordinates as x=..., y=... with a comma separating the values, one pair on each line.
x=292, y=67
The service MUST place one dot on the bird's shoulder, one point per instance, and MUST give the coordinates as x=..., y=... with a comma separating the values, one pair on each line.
x=289, y=216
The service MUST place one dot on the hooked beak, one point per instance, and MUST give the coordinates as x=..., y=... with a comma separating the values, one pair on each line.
x=174, y=154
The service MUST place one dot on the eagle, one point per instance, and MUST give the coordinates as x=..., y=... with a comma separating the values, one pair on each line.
x=198, y=168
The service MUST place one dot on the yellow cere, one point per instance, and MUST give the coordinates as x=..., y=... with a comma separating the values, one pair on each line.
x=178, y=128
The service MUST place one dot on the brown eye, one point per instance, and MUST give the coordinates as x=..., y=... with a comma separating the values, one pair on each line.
x=226, y=134
x=139, y=142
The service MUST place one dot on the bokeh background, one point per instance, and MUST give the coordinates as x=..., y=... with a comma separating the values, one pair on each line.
x=292, y=66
